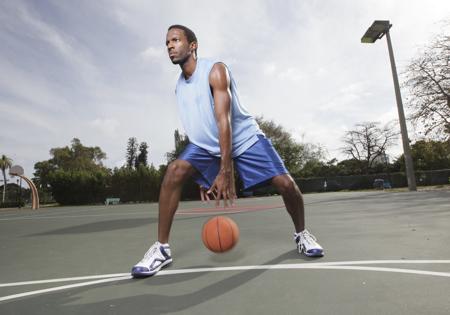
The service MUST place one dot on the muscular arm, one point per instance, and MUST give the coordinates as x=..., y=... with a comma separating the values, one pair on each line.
x=219, y=81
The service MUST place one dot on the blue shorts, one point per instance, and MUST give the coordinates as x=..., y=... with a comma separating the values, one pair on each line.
x=256, y=166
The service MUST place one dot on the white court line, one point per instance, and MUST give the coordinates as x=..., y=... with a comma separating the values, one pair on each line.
x=375, y=262
x=288, y=266
x=64, y=287
x=328, y=265
x=14, y=284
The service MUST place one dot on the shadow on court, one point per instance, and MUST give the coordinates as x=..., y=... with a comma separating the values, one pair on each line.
x=59, y=303
x=103, y=226
x=109, y=225
x=361, y=226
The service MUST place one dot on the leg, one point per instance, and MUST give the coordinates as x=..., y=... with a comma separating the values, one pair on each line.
x=159, y=255
x=292, y=198
x=177, y=173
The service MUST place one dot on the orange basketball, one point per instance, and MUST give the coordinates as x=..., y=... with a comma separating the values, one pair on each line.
x=220, y=234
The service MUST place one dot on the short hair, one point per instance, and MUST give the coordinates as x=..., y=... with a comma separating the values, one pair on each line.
x=187, y=32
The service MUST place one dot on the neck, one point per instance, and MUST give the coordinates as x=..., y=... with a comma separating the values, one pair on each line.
x=188, y=67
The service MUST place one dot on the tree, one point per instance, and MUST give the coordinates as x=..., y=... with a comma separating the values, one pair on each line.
x=80, y=186
x=351, y=167
x=428, y=155
x=428, y=81
x=132, y=149
x=368, y=142
x=42, y=179
x=295, y=155
x=5, y=163
x=77, y=157
x=181, y=141
x=141, y=184
x=74, y=174
x=141, y=159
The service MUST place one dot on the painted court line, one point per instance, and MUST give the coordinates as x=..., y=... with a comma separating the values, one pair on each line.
x=15, y=284
x=287, y=266
x=228, y=210
x=239, y=208
x=340, y=265
x=64, y=287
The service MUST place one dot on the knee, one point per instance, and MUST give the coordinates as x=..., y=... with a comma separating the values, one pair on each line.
x=176, y=173
x=286, y=185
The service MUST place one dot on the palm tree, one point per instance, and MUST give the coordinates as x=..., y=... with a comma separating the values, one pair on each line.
x=5, y=163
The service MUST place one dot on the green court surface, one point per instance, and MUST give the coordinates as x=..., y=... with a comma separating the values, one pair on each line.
x=385, y=253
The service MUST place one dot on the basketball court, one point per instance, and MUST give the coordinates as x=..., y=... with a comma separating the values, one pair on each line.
x=385, y=253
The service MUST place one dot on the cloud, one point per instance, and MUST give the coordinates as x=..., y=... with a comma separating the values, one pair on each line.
x=30, y=88
x=107, y=126
x=24, y=118
x=153, y=54
x=292, y=74
x=68, y=47
x=98, y=70
x=269, y=68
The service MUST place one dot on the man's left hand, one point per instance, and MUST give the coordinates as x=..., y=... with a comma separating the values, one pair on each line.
x=224, y=187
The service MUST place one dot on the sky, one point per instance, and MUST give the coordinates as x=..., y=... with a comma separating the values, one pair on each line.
x=99, y=70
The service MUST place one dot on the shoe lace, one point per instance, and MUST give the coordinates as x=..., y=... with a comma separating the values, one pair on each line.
x=305, y=237
x=308, y=237
x=151, y=251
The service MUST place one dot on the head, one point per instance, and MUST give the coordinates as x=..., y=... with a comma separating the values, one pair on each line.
x=181, y=44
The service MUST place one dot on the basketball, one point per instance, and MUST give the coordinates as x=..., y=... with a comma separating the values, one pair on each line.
x=220, y=234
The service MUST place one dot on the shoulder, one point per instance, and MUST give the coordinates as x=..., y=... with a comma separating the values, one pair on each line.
x=219, y=66
x=212, y=64
x=218, y=70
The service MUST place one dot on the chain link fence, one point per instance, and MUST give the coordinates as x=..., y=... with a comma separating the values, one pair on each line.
x=356, y=182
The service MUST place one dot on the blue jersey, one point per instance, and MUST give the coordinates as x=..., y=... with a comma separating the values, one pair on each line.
x=196, y=107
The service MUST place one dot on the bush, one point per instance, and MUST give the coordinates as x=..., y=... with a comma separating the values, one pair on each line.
x=136, y=185
x=12, y=204
x=79, y=187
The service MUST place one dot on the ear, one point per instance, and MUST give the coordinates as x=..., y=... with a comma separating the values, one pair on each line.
x=193, y=46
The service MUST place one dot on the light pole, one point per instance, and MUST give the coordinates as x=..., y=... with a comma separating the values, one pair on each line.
x=20, y=193
x=376, y=31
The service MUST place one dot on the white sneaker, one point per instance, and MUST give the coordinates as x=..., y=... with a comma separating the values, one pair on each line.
x=307, y=244
x=154, y=259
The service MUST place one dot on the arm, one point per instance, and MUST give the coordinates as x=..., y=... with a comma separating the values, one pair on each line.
x=219, y=81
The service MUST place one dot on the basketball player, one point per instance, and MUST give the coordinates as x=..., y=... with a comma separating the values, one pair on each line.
x=221, y=132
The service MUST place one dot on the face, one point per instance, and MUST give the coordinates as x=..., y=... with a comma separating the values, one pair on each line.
x=178, y=47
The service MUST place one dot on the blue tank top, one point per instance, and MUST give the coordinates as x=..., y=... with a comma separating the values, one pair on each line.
x=196, y=107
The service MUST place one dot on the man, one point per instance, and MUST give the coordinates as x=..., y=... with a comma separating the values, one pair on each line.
x=220, y=130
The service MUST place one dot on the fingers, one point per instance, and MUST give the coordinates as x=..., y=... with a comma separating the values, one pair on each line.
x=222, y=190
x=219, y=196
x=226, y=197
x=212, y=188
x=202, y=194
x=217, y=190
x=229, y=196
x=233, y=199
